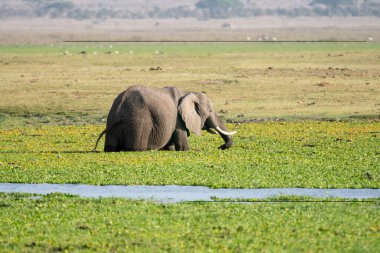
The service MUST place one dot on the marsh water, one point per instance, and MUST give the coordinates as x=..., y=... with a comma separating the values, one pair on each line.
x=175, y=193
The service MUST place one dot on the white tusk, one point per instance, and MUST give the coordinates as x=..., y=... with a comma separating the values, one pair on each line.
x=224, y=132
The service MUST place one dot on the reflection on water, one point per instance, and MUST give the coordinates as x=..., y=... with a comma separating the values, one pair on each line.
x=174, y=193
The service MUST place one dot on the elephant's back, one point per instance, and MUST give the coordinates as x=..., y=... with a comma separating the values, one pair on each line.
x=157, y=102
x=149, y=115
x=163, y=115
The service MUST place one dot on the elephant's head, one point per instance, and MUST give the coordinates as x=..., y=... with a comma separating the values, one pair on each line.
x=198, y=113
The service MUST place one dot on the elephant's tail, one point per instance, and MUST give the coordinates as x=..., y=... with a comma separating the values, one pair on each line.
x=97, y=141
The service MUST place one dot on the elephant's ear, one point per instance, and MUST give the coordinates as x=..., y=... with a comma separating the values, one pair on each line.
x=189, y=114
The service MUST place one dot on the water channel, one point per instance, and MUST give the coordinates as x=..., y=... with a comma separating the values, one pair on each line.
x=175, y=193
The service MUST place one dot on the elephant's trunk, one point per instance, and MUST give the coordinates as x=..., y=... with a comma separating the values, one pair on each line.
x=216, y=123
x=227, y=136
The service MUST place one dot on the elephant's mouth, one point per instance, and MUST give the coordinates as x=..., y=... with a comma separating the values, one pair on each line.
x=209, y=130
x=219, y=130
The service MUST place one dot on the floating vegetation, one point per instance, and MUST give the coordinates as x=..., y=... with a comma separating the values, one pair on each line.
x=272, y=154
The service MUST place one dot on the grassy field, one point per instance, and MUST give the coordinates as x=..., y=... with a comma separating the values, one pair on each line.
x=244, y=80
x=327, y=95
x=272, y=154
x=58, y=223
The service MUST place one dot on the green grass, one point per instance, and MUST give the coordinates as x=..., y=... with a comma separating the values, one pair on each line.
x=197, y=48
x=65, y=223
x=273, y=154
x=53, y=107
x=293, y=199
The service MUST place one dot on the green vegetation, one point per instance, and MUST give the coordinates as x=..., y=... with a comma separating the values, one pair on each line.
x=68, y=84
x=66, y=223
x=284, y=154
x=57, y=98
x=293, y=199
x=220, y=8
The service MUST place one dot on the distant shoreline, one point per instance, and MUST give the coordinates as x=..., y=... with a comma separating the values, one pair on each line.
x=46, y=30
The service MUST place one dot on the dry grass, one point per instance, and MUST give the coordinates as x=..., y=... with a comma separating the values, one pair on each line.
x=243, y=80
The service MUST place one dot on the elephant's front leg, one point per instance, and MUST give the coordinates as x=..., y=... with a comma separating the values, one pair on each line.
x=180, y=140
x=169, y=147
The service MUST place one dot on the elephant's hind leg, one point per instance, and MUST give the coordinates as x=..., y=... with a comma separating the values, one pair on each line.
x=113, y=142
x=109, y=148
x=136, y=138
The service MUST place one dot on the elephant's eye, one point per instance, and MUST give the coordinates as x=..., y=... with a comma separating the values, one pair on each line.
x=197, y=108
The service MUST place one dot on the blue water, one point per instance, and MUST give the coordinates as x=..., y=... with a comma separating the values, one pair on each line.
x=174, y=193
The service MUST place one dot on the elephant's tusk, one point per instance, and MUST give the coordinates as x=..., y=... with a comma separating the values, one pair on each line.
x=224, y=132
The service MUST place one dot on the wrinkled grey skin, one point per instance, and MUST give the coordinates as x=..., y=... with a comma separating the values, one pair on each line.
x=143, y=118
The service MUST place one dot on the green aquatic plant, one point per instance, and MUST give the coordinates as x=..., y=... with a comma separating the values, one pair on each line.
x=273, y=154
x=59, y=222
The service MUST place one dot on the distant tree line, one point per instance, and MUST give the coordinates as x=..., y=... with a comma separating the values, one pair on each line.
x=203, y=9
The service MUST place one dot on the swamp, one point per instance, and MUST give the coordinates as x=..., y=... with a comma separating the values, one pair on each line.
x=306, y=116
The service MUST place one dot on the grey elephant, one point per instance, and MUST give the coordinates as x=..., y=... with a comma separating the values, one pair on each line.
x=143, y=118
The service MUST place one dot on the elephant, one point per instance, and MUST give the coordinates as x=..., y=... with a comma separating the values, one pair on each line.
x=143, y=118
